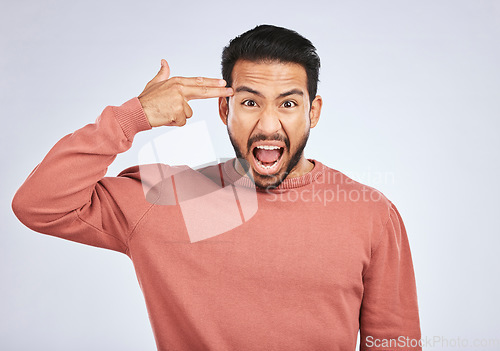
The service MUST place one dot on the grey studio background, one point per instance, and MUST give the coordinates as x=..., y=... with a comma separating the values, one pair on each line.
x=411, y=106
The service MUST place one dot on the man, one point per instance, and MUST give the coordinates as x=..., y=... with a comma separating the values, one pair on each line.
x=317, y=258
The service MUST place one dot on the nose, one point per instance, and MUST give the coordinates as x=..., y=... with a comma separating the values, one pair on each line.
x=269, y=122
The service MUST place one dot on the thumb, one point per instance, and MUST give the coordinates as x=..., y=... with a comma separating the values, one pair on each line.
x=164, y=72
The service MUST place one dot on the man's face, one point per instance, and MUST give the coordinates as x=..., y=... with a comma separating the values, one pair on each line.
x=268, y=119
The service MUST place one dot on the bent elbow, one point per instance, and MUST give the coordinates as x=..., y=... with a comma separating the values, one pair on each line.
x=23, y=210
x=31, y=212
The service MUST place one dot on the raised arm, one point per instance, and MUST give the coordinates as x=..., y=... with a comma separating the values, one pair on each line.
x=67, y=195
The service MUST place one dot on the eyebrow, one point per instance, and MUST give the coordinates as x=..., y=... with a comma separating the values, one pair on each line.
x=255, y=92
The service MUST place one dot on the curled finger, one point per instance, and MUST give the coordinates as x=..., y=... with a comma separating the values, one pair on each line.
x=187, y=110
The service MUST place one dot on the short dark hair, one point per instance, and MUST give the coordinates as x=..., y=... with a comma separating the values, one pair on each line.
x=270, y=43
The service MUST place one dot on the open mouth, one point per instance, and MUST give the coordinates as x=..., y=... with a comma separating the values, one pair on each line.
x=267, y=157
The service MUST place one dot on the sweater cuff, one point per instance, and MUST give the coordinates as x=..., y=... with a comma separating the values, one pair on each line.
x=131, y=118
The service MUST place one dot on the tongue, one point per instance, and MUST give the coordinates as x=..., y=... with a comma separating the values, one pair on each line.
x=267, y=156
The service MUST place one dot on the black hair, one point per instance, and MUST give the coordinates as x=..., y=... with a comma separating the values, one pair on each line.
x=270, y=43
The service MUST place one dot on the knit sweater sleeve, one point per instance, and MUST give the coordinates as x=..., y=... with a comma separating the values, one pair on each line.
x=67, y=195
x=389, y=318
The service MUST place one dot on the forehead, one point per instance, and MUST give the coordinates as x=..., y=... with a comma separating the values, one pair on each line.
x=269, y=75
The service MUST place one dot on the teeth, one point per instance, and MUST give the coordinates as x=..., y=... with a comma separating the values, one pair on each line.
x=266, y=167
x=268, y=147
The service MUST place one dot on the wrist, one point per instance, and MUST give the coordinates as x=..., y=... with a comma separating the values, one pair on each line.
x=132, y=117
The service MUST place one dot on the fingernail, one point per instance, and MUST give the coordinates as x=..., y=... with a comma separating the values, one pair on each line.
x=222, y=82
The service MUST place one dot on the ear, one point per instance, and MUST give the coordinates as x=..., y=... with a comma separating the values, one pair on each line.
x=315, y=111
x=223, y=109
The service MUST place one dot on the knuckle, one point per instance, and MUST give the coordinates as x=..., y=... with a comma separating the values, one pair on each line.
x=174, y=120
x=175, y=79
x=199, y=80
x=177, y=86
x=178, y=109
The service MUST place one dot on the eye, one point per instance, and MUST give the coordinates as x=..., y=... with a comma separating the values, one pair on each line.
x=289, y=104
x=249, y=103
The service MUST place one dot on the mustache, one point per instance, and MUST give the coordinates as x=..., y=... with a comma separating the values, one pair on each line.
x=273, y=137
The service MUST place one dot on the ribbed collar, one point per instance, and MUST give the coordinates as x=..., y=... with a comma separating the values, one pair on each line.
x=288, y=183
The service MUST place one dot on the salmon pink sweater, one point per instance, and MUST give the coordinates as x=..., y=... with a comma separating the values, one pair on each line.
x=227, y=266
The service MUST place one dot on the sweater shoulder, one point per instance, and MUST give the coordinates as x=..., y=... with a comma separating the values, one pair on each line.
x=355, y=192
x=163, y=184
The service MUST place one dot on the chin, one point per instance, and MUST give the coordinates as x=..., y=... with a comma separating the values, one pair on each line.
x=268, y=181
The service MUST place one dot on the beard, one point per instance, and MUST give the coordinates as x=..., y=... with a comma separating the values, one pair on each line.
x=270, y=181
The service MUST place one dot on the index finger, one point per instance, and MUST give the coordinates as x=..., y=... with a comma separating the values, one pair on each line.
x=205, y=92
x=200, y=81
